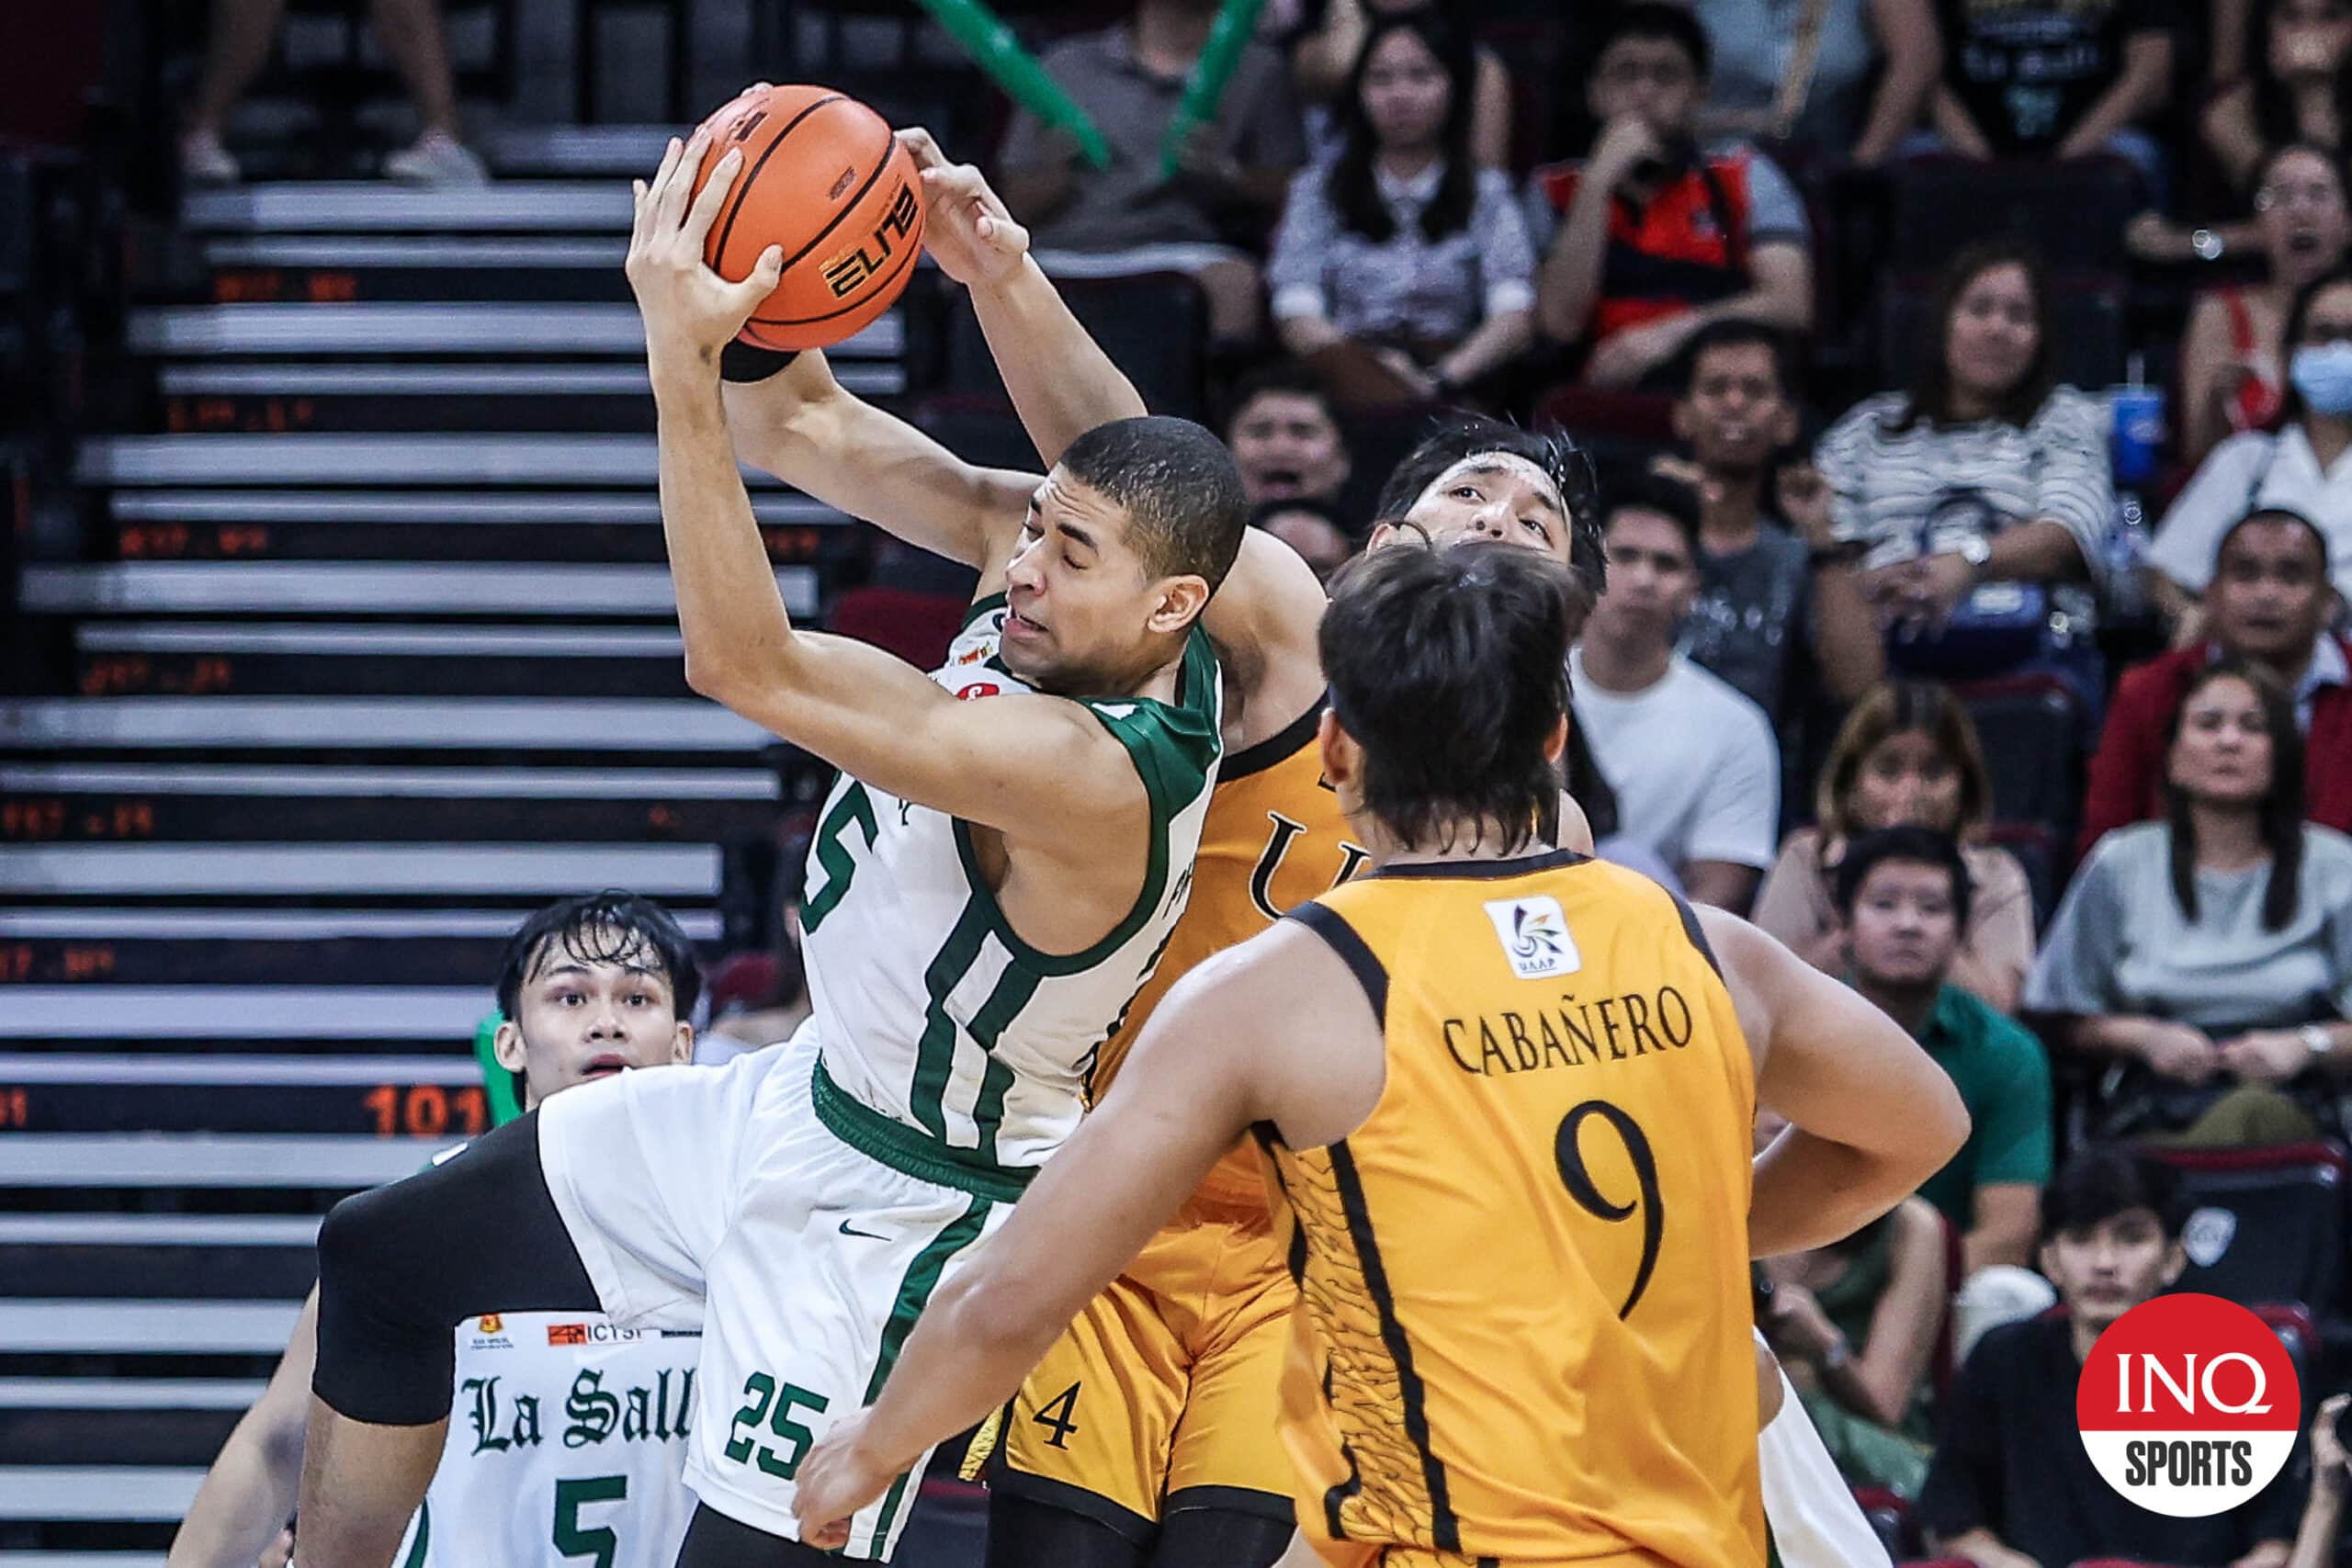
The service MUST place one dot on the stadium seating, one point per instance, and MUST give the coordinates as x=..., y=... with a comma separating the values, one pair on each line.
x=2265, y=1227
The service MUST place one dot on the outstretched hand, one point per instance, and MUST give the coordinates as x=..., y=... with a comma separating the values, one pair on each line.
x=966, y=225
x=690, y=311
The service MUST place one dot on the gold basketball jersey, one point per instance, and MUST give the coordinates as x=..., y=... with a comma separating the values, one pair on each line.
x=1274, y=839
x=1524, y=1331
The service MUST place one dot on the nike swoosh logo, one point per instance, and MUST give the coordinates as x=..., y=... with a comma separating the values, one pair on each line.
x=870, y=1236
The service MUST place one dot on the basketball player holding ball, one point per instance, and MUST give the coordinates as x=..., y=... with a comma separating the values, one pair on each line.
x=1007, y=850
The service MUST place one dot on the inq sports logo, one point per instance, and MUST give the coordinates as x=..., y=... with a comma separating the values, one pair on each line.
x=2188, y=1405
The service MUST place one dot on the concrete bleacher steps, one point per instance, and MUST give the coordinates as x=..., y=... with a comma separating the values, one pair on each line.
x=372, y=650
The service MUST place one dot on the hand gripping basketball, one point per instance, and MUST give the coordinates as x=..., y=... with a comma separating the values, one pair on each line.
x=970, y=233
x=690, y=311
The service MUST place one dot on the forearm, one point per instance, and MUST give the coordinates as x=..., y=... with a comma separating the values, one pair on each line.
x=1992, y=1243
x=2038, y=551
x=1061, y=382
x=2141, y=89
x=1846, y=642
x=1955, y=125
x=730, y=611
x=1499, y=339
x=247, y=1497
x=1810, y=1192
x=1302, y=335
x=1721, y=884
x=1901, y=96
x=2110, y=1034
x=2323, y=1520
x=1570, y=279
x=1983, y=1548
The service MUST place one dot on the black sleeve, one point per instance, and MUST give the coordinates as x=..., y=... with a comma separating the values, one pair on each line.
x=739, y=361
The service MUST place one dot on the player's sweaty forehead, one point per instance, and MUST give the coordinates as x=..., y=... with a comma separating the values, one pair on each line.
x=1490, y=469
x=1085, y=518
x=582, y=953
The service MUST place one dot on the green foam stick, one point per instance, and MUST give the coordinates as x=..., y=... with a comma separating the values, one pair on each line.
x=1236, y=25
x=497, y=1083
x=996, y=50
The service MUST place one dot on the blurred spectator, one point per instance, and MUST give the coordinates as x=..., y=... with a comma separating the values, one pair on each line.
x=2232, y=377
x=1286, y=439
x=2205, y=960
x=1403, y=271
x=2304, y=468
x=1660, y=237
x=2296, y=92
x=1903, y=895
x=1328, y=40
x=1907, y=754
x=1856, y=1323
x=1693, y=763
x=1973, y=496
x=2331, y=1478
x=2012, y=1486
x=2051, y=79
x=1768, y=568
x=756, y=1000
x=243, y=33
x=1128, y=217
x=2269, y=604
x=1843, y=79
x=1311, y=527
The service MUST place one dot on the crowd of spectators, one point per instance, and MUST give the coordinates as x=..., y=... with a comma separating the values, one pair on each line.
x=1836, y=581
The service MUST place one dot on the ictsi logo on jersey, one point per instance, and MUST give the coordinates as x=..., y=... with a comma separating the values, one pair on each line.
x=1535, y=936
x=2188, y=1405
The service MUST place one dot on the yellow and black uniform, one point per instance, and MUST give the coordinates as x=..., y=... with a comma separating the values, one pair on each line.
x=1524, y=1330
x=1163, y=1393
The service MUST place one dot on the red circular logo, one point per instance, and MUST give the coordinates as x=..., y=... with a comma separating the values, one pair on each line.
x=2188, y=1405
x=976, y=690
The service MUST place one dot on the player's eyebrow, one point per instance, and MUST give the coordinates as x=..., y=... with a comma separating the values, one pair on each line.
x=1079, y=536
x=1544, y=496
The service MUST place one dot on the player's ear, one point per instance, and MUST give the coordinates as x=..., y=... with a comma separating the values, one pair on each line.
x=1342, y=757
x=1181, y=600
x=1379, y=537
x=1557, y=741
x=2176, y=1261
x=681, y=1042
x=506, y=1046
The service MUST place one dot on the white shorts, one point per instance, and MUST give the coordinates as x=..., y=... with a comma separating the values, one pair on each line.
x=1815, y=1522
x=801, y=1231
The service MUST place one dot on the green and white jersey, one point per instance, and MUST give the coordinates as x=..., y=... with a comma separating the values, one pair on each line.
x=929, y=1009
x=568, y=1439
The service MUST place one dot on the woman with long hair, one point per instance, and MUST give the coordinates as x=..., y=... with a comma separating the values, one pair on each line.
x=1907, y=755
x=2298, y=90
x=2203, y=962
x=1984, y=471
x=2305, y=465
x=1402, y=249
x=2233, y=358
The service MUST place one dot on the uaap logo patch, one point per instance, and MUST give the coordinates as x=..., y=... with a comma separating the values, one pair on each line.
x=1535, y=937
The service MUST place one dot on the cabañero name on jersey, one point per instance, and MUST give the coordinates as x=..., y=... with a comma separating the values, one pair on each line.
x=1572, y=1033
x=503, y=1418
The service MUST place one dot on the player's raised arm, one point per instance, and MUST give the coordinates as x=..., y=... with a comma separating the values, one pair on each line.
x=1871, y=1115
x=248, y=1494
x=1014, y=763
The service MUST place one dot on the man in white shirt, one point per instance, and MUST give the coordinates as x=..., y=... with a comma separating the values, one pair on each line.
x=1694, y=764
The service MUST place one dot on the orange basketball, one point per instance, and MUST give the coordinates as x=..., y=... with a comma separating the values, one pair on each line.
x=823, y=178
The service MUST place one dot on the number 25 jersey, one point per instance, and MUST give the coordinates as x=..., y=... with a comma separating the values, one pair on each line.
x=1524, y=1322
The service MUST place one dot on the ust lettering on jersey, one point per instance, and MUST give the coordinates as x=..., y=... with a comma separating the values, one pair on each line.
x=567, y=1440
x=1524, y=1330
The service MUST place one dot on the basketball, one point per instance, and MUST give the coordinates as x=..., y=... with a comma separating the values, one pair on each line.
x=823, y=178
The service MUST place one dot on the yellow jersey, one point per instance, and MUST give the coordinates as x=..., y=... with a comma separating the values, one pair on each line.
x=1524, y=1322
x=1272, y=840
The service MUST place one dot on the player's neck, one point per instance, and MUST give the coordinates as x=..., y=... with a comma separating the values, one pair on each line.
x=1462, y=841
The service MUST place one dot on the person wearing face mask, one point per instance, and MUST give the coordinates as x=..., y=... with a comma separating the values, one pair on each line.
x=2233, y=369
x=2305, y=467
x=1906, y=755
x=2202, y=964
x=2270, y=605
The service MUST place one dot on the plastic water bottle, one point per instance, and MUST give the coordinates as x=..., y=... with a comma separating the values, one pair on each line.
x=2127, y=552
x=2137, y=443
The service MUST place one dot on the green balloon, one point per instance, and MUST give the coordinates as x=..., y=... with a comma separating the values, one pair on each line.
x=497, y=1083
x=1236, y=25
x=1013, y=68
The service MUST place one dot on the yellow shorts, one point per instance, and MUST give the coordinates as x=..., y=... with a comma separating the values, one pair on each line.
x=1165, y=1392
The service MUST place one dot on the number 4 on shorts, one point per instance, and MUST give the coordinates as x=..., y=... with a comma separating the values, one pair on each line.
x=1060, y=1416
